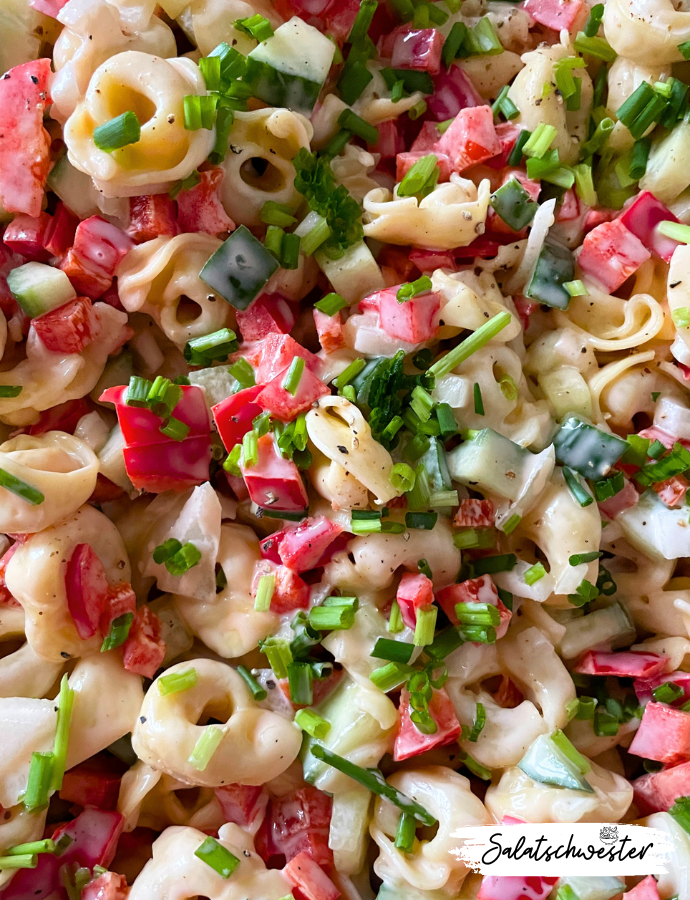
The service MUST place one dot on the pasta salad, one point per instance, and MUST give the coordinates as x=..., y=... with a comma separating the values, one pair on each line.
x=344, y=443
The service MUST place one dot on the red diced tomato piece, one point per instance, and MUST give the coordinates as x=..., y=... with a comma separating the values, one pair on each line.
x=663, y=735
x=658, y=791
x=453, y=91
x=299, y=823
x=611, y=254
x=26, y=235
x=624, y=664
x=235, y=414
x=556, y=14
x=69, y=328
x=515, y=887
x=426, y=140
x=24, y=142
x=200, y=208
x=274, y=482
x=470, y=139
x=240, y=803
x=94, y=782
x=151, y=216
x=570, y=207
x=672, y=491
x=625, y=499
x=309, y=880
x=414, y=592
x=644, y=688
x=524, y=309
x=508, y=695
x=475, y=514
x=410, y=741
x=301, y=548
x=120, y=600
x=329, y=330
x=334, y=17
x=109, y=885
x=87, y=589
x=285, y=405
x=482, y=247
x=144, y=650
x=641, y=218
x=390, y=141
x=414, y=48
x=268, y=314
x=413, y=321
x=60, y=232
x=645, y=890
x=277, y=352
x=430, y=260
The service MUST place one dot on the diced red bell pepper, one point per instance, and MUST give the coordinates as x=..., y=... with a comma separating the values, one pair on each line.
x=658, y=791
x=60, y=232
x=524, y=309
x=287, y=406
x=646, y=889
x=235, y=414
x=474, y=590
x=556, y=14
x=453, y=91
x=274, y=482
x=98, y=248
x=644, y=687
x=663, y=735
x=414, y=320
x=334, y=17
x=507, y=133
x=87, y=589
x=301, y=548
x=141, y=426
x=94, y=835
x=94, y=782
x=513, y=820
x=240, y=803
x=414, y=592
x=398, y=259
x=483, y=247
x=329, y=330
x=120, y=600
x=625, y=499
x=404, y=162
x=658, y=434
x=109, y=885
x=291, y=592
x=390, y=141
x=623, y=664
x=515, y=887
x=26, y=235
x=426, y=140
x=69, y=328
x=151, y=216
x=24, y=142
x=597, y=217
x=86, y=278
x=410, y=741
x=6, y=598
x=299, y=824
x=475, y=514
x=470, y=139
x=268, y=314
x=144, y=650
x=309, y=880
x=570, y=207
x=269, y=547
x=611, y=254
x=200, y=209
x=672, y=491
x=277, y=352
x=641, y=218
x=508, y=695
x=430, y=260
x=408, y=47
x=105, y=490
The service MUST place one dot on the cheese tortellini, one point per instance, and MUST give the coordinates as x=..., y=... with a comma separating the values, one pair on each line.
x=647, y=31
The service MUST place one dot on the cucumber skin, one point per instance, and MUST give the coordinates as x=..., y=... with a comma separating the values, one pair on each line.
x=239, y=269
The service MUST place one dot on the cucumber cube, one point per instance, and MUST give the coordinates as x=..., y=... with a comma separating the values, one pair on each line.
x=38, y=288
x=555, y=267
x=546, y=763
x=239, y=269
x=489, y=463
x=587, y=449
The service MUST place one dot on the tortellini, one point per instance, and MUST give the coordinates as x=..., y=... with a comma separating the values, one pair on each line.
x=452, y=215
x=256, y=744
x=646, y=31
x=154, y=89
x=161, y=278
x=27, y=725
x=208, y=22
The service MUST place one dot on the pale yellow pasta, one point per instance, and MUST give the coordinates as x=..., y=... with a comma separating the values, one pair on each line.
x=489, y=73
x=162, y=807
x=208, y=22
x=624, y=77
x=630, y=393
x=374, y=104
x=591, y=745
x=468, y=299
x=175, y=873
x=154, y=88
x=452, y=215
x=19, y=826
x=351, y=169
x=676, y=880
x=646, y=31
x=335, y=484
x=136, y=784
x=27, y=725
x=608, y=376
x=93, y=32
x=433, y=865
x=272, y=137
x=527, y=93
x=36, y=577
x=611, y=323
x=228, y=623
x=256, y=745
x=24, y=673
x=161, y=278
x=58, y=465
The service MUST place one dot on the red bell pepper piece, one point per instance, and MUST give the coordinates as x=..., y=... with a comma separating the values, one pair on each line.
x=63, y=417
x=453, y=91
x=672, y=491
x=408, y=47
x=286, y=406
x=644, y=687
x=109, y=885
x=141, y=426
x=269, y=547
x=430, y=260
x=274, y=482
x=475, y=514
x=597, y=217
x=625, y=499
x=410, y=741
x=151, y=216
x=120, y=600
x=610, y=254
x=507, y=134
x=474, y=590
x=658, y=791
x=234, y=415
x=663, y=735
x=623, y=664
x=414, y=320
x=414, y=592
x=390, y=141
x=404, y=162
x=470, y=139
x=298, y=823
x=240, y=803
x=94, y=782
x=200, y=208
x=334, y=17
x=144, y=650
x=26, y=235
x=483, y=247
x=291, y=592
x=303, y=547
x=556, y=14
x=277, y=352
x=268, y=314
x=641, y=218
x=645, y=890
x=61, y=230
x=329, y=330
x=87, y=589
x=515, y=887
x=24, y=142
x=69, y=328
x=6, y=598
x=91, y=262
x=309, y=880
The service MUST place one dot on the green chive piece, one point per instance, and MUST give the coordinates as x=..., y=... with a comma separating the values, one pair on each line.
x=425, y=626
x=23, y=861
x=39, y=782
x=420, y=177
x=391, y=676
x=477, y=614
x=470, y=345
x=257, y=692
x=312, y=723
x=675, y=230
x=175, y=429
x=474, y=539
x=395, y=622
x=667, y=693
x=264, y=593
x=331, y=304
x=184, y=559
x=350, y=373
x=16, y=486
x=353, y=123
x=289, y=253
x=313, y=239
x=206, y=746
x=579, y=493
x=406, y=833
x=118, y=132
x=332, y=618
x=393, y=651
x=256, y=26
x=421, y=403
x=539, y=141
x=597, y=47
x=279, y=214
x=413, y=288
x=512, y=523
x=177, y=681
x=47, y=845
x=577, y=558
x=478, y=401
x=479, y=722
x=242, y=372
x=10, y=390
x=65, y=700
x=293, y=375
x=118, y=632
x=215, y=855
x=566, y=747
x=402, y=477
x=534, y=573
x=424, y=521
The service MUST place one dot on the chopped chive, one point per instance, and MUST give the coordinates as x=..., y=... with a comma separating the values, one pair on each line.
x=232, y=461
x=289, y=254
x=474, y=539
x=425, y=569
x=417, y=447
x=20, y=861
x=257, y=692
x=478, y=401
x=250, y=448
x=576, y=489
x=577, y=558
x=46, y=845
x=65, y=700
x=278, y=653
x=576, y=288
x=40, y=779
x=279, y=214
x=255, y=26
x=489, y=565
x=393, y=651
x=10, y=390
x=362, y=23
x=273, y=241
x=470, y=345
x=300, y=683
x=440, y=499
x=199, y=112
x=453, y=43
x=331, y=304
x=477, y=614
x=444, y=643
x=331, y=618
x=421, y=520
x=350, y=373
x=685, y=49
x=419, y=176
x=566, y=747
x=516, y=153
x=475, y=767
x=534, y=573
x=675, y=230
x=118, y=632
x=667, y=693
x=395, y=622
x=421, y=403
x=186, y=184
x=186, y=558
x=656, y=450
x=425, y=626
x=165, y=550
x=224, y=121
x=586, y=708
x=312, y=723
x=406, y=833
x=353, y=81
x=601, y=135
x=242, y=372
x=539, y=141
x=264, y=593
x=313, y=239
x=413, y=289
x=512, y=523
x=584, y=184
x=177, y=681
x=16, y=486
x=293, y=375
x=479, y=722
x=597, y=47
x=215, y=855
x=402, y=477
x=353, y=123
x=174, y=429
x=593, y=23
x=118, y=132
x=509, y=388
x=391, y=676
x=205, y=747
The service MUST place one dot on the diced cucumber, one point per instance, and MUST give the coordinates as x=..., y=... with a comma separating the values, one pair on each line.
x=217, y=382
x=354, y=275
x=489, y=463
x=38, y=288
x=668, y=167
x=513, y=204
x=74, y=188
x=19, y=27
x=587, y=449
x=403, y=890
x=608, y=628
x=348, y=836
x=239, y=269
x=593, y=887
x=655, y=530
x=436, y=464
x=567, y=391
x=111, y=460
x=289, y=69
x=555, y=266
x=546, y=763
